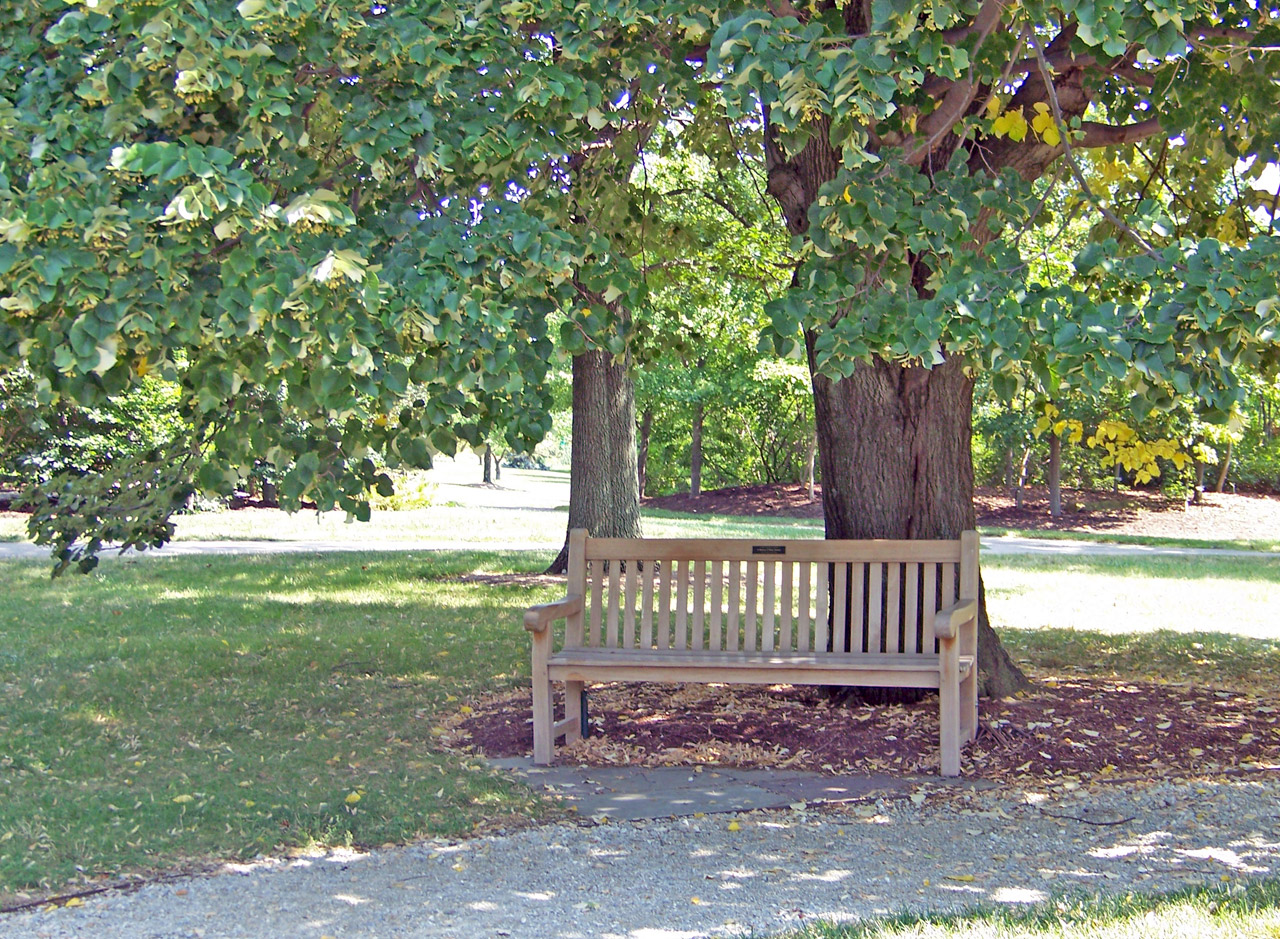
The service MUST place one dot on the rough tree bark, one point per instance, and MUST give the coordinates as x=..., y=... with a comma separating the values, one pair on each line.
x=894, y=442
x=604, y=495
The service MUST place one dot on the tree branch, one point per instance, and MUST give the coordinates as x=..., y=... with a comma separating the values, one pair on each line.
x=1111, y=135
x=1065, y=133
x=955, y=103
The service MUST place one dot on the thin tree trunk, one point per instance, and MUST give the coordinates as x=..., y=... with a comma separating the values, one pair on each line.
x=486, y=458
x=1055, y=475
x=1222, y=472
x=604, y=495
x=695, y=451
x=642, y=454
x=1022, y=477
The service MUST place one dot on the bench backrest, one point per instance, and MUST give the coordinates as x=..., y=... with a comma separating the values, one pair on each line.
x=813, y=596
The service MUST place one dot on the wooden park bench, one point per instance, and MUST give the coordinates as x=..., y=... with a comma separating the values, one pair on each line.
x=899, y=614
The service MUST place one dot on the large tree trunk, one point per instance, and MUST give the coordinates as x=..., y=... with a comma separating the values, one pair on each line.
x=604, y=495
x=894, y=450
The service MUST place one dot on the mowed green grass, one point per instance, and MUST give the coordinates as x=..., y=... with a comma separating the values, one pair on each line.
x=1207, y=620
x=1249, y=911
x=162, y=712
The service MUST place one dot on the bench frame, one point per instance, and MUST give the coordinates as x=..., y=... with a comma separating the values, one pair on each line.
x=591, y=651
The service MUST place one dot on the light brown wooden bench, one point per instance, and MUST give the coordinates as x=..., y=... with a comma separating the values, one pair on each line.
x=762, y=612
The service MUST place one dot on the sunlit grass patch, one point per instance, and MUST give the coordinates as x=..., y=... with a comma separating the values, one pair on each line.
x=1233, y=912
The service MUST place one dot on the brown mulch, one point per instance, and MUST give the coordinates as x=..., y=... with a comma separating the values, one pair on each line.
x=1076, y=728
x=1218, y=516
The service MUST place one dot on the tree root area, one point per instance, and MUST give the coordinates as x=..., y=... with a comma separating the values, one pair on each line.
x=1081, y=728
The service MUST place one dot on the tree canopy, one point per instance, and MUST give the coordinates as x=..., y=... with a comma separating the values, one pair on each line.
x=358, y=217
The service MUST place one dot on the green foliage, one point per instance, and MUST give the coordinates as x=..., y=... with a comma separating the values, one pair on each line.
x=297, y=212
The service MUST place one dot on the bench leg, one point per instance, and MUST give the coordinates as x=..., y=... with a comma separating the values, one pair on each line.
x=949, y=705
x=573, y=710
x=969, y=707
x=543, y=718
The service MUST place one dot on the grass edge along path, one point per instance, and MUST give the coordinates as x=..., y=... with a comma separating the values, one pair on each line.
x=1223, y=911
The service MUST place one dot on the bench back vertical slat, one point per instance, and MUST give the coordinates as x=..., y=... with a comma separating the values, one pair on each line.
x=875, y=606
x=911, y=610
x=768, y=619
x=646, y=604
x=804, y=617
x=596, y=576
x=928, y=605
x=788, y=602
x=629, y=606
x=893, y=608
x=821, y=611
x=699, y=603
x=681, y=588
x=614, y=608
x=750, y=639
x=717, y=594
x=858, y=624
x=664, y=604
x=734, y=625
x=839, y=609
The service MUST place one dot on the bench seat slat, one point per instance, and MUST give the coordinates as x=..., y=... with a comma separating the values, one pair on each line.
x=683, y=665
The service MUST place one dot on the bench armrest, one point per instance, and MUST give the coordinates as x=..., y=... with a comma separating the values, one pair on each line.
x=947, y=621
x=537, y=618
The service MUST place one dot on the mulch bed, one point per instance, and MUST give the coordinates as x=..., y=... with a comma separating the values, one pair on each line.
x=1077, y=728
x=1218, y=516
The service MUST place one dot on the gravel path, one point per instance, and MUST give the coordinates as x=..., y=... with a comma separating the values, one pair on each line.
x=723, y=874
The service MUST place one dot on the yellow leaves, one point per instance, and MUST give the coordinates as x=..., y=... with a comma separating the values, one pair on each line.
x=1124, y=447
x=184, y=798
x=73, y=902
x=962, y=878
x=696, y=901
x=1011, y=124
x=1044, y=125
x=1014, y=125
x=734, y=826
x=352, y=798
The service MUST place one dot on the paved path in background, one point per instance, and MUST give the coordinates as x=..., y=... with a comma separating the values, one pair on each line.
x=991, y=546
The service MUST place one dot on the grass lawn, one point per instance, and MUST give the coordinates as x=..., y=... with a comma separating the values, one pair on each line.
x=1223, y=913
x=161, y=712
x=165, y=712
